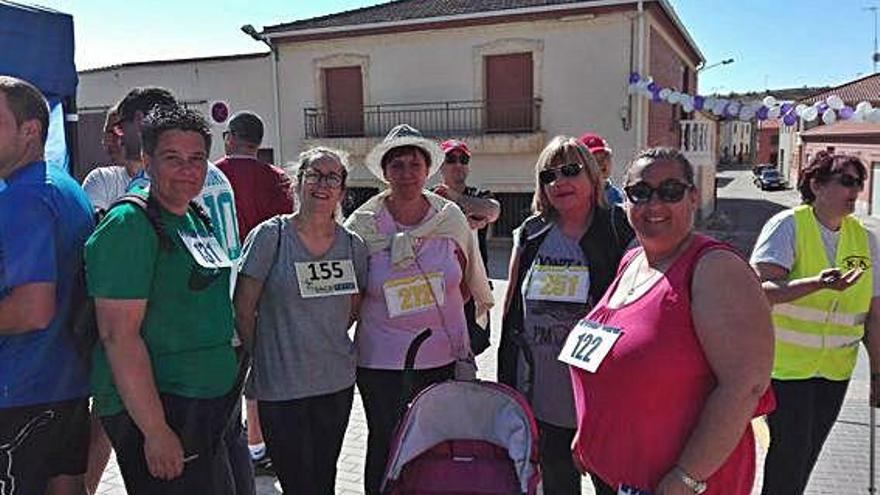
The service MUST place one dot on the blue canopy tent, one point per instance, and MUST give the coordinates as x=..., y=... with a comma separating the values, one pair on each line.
x=36, y=44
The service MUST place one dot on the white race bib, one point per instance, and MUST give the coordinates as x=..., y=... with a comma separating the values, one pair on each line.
x=559, y=283
x=326, y=278
x=628, y=490
x=588, y=344
x=414, y=294
x=205, y=250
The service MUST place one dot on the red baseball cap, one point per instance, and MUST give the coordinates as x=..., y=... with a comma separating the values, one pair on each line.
x=454, y=144
x=594, y=143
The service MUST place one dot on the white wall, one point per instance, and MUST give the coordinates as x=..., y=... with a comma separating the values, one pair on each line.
x=246, y=84
x=581, y=70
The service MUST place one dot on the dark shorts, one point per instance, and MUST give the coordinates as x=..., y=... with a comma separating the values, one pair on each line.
x=42, y=441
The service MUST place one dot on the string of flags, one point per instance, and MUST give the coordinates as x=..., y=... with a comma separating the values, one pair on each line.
x=829, y=110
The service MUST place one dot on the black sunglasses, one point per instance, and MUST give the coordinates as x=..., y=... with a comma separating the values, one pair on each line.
x=549, y=175
x=462, y=159
x=669, y=191
x=850, y=181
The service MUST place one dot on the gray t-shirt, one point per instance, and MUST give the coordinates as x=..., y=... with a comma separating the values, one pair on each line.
x=776, y=245
x=302, y=348
x=546, y=325
x=105, y=184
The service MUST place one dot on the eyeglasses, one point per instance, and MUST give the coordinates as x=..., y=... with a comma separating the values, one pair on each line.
x=669, y=191
x=549, y=175
x=462, y=159
x=332, y=180
x=850, y=181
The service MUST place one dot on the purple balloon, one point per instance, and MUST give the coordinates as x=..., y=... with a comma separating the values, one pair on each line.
x=634, y=78
x=785, y=108
x=822, y=107
x=762, y=113
x=655, y=95
x=653, y=87
x=846, y=113
x=790, y=118
x=698, y=102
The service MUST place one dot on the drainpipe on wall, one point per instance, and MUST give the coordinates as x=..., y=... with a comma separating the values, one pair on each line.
x=277, y=101
x=640, y=66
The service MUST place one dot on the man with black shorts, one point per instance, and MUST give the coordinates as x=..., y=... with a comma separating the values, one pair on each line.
x=45, y=217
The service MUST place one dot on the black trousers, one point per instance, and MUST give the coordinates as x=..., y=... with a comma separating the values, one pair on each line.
x=805, y=412
x=382, y=392
x=304, y=438
x=239, y=456
x=558, y=473
x=200, y=425
x=601, y=487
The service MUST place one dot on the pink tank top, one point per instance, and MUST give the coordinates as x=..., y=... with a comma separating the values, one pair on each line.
x=382, y=339
x=636, y=413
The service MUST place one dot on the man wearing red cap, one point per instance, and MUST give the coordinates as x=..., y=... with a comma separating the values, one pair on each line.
x=602, y=152
x=479, y=205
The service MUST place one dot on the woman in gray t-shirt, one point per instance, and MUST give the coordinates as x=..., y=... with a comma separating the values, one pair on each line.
x=296, y=297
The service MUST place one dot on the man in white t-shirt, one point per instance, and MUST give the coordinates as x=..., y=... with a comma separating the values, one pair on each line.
x=107, y=182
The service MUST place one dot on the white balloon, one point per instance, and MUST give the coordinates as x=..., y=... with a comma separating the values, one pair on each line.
x=810, y=113
x=734, y=108
x=709, y=103
x=674, y=97
x=746, y=113
x=769, y=101
x=864, y=107
x=719, y=107
x=633, y=88
x=829, y=117
x=687, y=106
x=773, y=112
x=874, y=116
x=835, y=102
x=858, y=117
x=664, y=93
x=800, y=109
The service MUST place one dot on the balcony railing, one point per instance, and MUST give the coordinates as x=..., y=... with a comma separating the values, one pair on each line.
x=435, y=119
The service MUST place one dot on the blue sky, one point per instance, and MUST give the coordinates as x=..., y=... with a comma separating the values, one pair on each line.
x=775, y=43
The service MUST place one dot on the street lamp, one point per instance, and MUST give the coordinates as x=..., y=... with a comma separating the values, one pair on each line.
x=716, y=64
x=251, y=31
x=875, y=56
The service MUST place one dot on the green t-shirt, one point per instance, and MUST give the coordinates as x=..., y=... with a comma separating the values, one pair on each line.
x=188, y=323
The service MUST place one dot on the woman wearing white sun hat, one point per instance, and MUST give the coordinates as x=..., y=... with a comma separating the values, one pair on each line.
x=424, y=264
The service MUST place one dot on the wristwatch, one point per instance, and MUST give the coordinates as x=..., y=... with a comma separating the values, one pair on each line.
x=694, y=484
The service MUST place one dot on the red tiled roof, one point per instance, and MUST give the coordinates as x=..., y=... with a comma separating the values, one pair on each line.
x=402, y=10
x=844, y=129
x=853, y=92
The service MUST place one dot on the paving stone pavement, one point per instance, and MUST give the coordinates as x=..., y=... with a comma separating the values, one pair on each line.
x=842, y=468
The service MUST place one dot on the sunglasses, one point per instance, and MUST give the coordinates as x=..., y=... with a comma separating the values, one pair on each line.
x=549, y=175
x=850, y=181
x=332, y=180
x=669, y=191
x=462, y=159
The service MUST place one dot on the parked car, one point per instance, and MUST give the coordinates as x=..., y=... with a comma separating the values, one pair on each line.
x=769, y=178
x=757, y=169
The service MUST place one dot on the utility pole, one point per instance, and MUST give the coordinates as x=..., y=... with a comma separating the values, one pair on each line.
x=875, y=57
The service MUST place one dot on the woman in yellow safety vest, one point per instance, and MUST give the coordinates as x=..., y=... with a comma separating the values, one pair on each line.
x=816, y=263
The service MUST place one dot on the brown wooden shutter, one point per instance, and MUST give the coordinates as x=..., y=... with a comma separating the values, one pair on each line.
x=509, y=92
x=344, y=101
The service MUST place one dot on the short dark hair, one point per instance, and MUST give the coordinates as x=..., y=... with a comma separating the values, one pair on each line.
x=661, y=154
x=404, y=150
x=26, y=103
x=247, y=126
x=823, y=167
x=143, y=100
x=165, y=118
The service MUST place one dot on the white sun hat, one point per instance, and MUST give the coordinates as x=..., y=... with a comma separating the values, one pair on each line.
x=403, y=135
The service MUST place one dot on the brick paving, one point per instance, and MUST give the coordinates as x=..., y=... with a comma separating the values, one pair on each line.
x=842, y=468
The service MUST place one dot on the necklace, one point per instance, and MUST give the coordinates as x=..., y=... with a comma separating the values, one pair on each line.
x=633, y=285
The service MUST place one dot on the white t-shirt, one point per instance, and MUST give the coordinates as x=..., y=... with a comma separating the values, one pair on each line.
x=776, y=245
x=104, y=184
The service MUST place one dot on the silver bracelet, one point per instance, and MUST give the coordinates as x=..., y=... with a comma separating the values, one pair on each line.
x=694, y=484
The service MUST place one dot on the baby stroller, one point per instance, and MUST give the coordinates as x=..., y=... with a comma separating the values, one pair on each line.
x=464, y=438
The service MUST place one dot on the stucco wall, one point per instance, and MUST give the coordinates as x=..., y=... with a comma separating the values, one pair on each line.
x=580, y=72
x=246, y=84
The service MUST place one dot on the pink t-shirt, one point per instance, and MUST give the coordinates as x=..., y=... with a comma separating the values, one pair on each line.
x=636, y=413
x=382, y=339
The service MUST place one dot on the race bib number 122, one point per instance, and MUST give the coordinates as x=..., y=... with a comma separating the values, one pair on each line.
x=588, y=344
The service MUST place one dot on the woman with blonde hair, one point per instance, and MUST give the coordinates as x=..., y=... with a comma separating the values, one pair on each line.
x=564, y=257
x=297, y=294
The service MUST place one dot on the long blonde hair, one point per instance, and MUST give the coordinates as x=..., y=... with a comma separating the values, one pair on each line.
x=566, y=149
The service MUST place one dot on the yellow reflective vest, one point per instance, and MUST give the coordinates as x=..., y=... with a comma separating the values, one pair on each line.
x=818, y=335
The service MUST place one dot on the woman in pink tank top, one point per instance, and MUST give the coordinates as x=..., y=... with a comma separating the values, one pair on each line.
x=676, y=357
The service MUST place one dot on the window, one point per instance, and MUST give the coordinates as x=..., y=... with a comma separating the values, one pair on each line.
x=509, y=92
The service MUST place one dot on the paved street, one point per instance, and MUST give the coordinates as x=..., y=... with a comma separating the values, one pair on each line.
x=843, y=465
